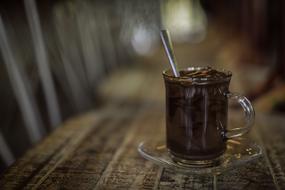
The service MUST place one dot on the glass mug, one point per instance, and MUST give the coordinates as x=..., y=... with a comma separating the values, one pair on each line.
x=196, y=117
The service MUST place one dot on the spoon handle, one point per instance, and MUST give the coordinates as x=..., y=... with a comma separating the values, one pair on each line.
x=165, y=37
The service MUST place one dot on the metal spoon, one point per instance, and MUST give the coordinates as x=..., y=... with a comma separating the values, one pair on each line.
x=165, y=37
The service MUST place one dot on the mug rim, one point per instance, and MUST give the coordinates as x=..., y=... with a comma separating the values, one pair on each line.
x=202, y=80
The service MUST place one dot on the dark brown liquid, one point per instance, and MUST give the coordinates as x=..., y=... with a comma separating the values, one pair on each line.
x=196, y=115
x=207, y=74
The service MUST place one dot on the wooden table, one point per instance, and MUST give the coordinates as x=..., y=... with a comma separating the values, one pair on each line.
x=98, y=150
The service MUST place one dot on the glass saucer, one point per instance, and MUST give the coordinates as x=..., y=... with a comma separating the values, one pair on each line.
x=239, y=151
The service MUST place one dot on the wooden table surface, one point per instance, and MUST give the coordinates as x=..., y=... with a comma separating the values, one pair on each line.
x=98, y=150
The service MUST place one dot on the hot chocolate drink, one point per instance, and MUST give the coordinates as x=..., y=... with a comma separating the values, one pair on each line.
x=196, y=113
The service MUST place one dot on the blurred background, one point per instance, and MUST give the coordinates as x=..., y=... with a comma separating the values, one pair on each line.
x=61, y=58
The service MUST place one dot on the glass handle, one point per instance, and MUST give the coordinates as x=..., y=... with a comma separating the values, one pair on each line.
x=249, y=116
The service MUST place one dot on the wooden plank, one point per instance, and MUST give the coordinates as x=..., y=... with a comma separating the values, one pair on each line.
x=128, y=170
x=51, y=151
x=255, y=175
x=102, y=163
x=84, y=167
x=171, y=180
x=122, y=167
x=272, y=138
